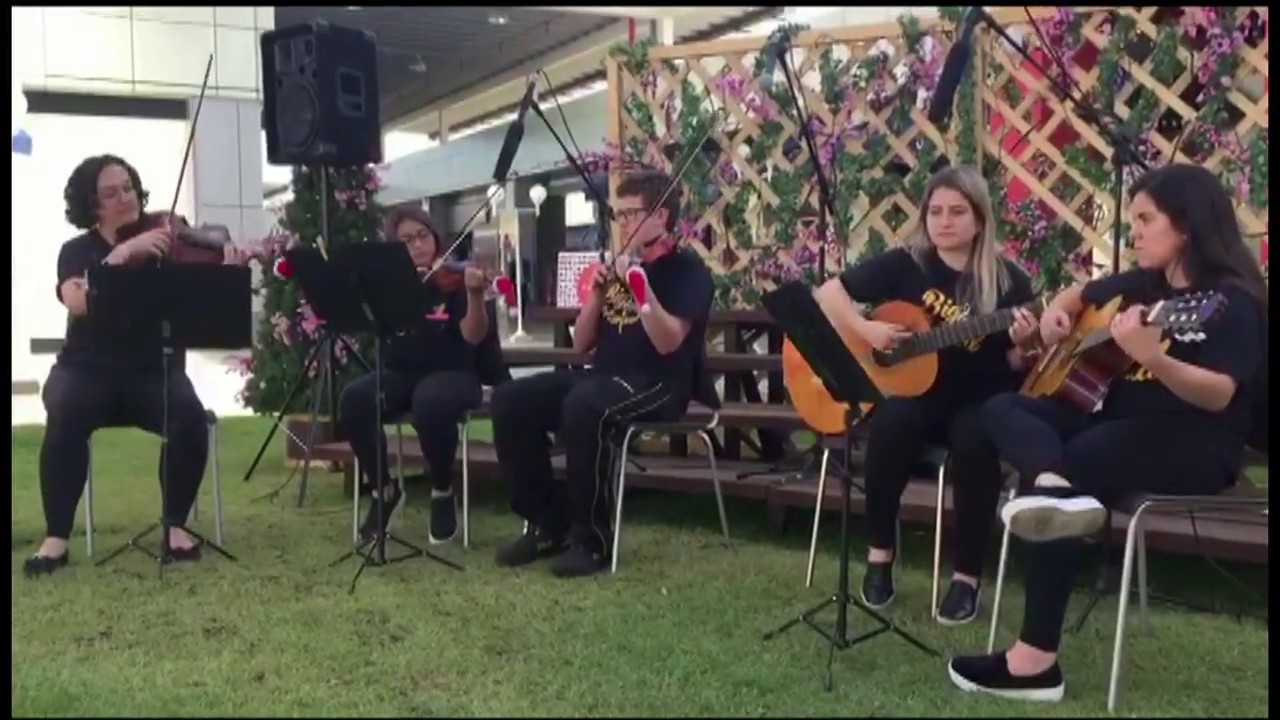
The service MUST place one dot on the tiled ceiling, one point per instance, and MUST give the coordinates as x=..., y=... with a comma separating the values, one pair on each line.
x=426, y=55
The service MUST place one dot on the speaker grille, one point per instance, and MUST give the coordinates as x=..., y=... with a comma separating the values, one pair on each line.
x=297, y=114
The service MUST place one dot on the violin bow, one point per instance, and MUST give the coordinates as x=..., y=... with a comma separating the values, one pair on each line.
x=191, y=138
x=717, y=114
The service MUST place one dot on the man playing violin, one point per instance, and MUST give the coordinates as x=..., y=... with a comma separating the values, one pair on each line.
x=645, y=366
x=98, y=381
x=430, y=373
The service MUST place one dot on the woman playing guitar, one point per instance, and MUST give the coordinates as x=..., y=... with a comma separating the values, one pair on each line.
x=951, y=266
x=1175, y=423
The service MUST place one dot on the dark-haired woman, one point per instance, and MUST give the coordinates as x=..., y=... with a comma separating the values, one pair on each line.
x=430, y=373
x=1176, y=424
x=99, y=380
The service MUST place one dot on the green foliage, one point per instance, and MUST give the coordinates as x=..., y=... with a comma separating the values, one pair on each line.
x=288, y=330
x=782, y=236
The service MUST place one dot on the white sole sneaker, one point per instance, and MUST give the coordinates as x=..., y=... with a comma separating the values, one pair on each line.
x=1049, y=694
x=1051, y=480
x=1040, y=519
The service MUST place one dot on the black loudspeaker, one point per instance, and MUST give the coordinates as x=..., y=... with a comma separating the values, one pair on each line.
x=320, y=95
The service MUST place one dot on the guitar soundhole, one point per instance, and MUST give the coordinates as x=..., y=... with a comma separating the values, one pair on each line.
x=885, y=358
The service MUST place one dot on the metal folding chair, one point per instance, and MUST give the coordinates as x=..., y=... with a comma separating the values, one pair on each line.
x=702, y=430
x=932, y=455
x=212, y=420
x=464, y=439
x=1234, y=501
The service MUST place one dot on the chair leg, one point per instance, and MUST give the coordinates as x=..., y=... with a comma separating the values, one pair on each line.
x=398, y=514
x=1126, y=584
x=466, y=484
x=1143, y=615
x=355, y=502
x=217, y=485
x=88, y=505
x=937, y=536
x=1001, y=567
x=817, y=516
x=715, y=482
x=617, y=502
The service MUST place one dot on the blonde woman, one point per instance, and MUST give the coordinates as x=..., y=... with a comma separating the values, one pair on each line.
x=951, y=267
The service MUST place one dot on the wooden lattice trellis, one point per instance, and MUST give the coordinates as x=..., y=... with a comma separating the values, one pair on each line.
x=750, y=196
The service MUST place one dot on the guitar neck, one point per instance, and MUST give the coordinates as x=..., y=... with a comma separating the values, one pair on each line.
x=960, y=332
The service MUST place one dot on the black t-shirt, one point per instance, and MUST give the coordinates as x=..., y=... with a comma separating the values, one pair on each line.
x=436, y=344
x=682, y=284
x=1234, y=342
x=88, y=344
x=967, y=373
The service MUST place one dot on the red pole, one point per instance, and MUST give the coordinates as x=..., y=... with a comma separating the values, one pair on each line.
x=631, y=31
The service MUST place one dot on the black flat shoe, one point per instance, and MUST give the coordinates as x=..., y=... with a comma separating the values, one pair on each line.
x=190, y=554
x=38, y=565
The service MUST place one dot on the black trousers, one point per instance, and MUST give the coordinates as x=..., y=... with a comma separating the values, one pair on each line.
x=898, y=430
x=79, y=400
x=590, y=411
x=1101, y=457
x=435, y=402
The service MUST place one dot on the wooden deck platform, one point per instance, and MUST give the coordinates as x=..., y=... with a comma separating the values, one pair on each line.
x=1214, y=534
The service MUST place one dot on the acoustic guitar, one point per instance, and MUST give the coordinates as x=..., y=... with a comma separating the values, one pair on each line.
x=1080, y=369
x=909, y=369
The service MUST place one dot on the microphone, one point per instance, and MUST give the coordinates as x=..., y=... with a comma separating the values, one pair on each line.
x=515, y=132
x=953, y=68
x=774, y=46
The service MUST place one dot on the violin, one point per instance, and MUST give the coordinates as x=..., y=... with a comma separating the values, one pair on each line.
x=450, y=276
x=203, y=245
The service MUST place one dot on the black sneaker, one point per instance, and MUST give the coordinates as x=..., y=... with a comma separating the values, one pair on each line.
x=579, y=561
x=369, y=528
x=990, y=674
x=877, y=585
x=444, y=518
x=38, y=565
x=960, y=604
x=533, y=545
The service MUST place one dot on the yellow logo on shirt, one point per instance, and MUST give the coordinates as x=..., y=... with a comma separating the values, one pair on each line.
x=1140, y=373
x=945, y=310
x=619, y=305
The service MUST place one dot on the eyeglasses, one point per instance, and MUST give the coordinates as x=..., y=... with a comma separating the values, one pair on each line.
x=629, y=215
x=114, y=192
x=422, y=236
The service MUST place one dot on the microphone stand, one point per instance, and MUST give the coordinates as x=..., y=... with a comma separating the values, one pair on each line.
x=809, y=459
x=1123, y=150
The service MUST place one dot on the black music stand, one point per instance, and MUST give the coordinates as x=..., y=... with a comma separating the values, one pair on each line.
x=319, y=282
x=373, y=287
x=196, y=306
x=795, y=310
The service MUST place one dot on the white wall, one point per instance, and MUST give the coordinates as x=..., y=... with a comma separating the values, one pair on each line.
x=148, y=51
x=39, y=228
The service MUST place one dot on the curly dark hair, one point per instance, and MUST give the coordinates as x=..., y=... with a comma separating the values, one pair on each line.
x=81, y=192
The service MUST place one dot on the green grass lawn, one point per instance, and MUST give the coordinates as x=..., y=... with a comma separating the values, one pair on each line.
x=677, y=632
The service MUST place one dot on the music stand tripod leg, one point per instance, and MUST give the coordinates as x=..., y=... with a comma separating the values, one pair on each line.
x=284, y=409
x=318, y=395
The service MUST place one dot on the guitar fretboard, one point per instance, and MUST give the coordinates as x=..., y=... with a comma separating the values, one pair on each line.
x=960, y=332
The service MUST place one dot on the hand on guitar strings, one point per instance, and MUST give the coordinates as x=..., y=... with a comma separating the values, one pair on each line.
x=883, y=336
x=1055, y=325
x=1137, y=339
x=1024, y=327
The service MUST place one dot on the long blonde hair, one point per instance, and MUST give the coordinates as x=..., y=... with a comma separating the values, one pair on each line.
x=986, y=276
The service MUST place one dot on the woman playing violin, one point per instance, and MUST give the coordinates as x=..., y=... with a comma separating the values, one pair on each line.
x=98, y=381
x=430, y=373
